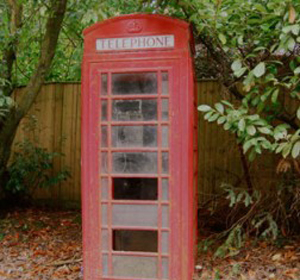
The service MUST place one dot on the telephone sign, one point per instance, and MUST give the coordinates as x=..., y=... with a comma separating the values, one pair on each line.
x=135, y=43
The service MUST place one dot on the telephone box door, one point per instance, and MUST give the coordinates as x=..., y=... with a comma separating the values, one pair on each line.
x=138, y=224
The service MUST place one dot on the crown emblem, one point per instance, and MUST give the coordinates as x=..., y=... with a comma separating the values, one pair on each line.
x=134, y=27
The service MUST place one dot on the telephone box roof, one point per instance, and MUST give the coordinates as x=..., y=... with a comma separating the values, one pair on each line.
x=162, y=18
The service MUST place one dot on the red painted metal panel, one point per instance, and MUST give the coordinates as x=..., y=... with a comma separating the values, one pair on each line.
x=181, y=207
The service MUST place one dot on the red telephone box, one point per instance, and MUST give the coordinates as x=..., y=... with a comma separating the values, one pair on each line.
x=138, y=149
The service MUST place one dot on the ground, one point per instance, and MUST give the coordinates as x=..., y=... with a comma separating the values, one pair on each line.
x=39, y=244
x=36, y=244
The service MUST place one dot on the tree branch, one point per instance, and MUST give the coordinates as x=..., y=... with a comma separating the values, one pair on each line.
x=48, y=47
x=16, y=11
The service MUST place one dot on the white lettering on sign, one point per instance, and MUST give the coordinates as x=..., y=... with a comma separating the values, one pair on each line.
x=135, y=43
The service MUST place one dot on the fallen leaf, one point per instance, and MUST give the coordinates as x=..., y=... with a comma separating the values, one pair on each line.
x=277, y=257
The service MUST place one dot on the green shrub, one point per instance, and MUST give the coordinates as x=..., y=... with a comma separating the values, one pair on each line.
x=32, y=168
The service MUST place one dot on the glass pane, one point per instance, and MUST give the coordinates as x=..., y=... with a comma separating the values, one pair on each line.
x=165, y=216
x=104, y=110
x=104, y=214
x=134, y=215
x=134, y=110
x=104, y=188
x=134, y=136
x=165, y=189
x=104, y=136
x=165, y=83
x=165, y=268
x=134, y=83
x=135, y=240
x=104, y=162
x=104, y=265
x=104, y=84
x=134, y=267
x=135, y=188
x=104, y=239
x=165, y=242
x=145, y=162
x=165, y=109
x=165, y=162
x=165, y=136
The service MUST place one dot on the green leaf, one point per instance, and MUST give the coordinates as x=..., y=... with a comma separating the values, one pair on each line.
x=259, y=49
x=220, y=108
x=227, y=103
x=286, y=150
x=280, y=148
x=227, y=126
x=239, y=197
x=260, y=8
x=208, y=115
x=287, y=29
x=213, y=117
x=221, y=120
x=204, y=108
x=240, y=72
x=264, y=130
x=236, y=65
x=259, y=70
x=241, y=40
x=252, y=155
x=295, y=29
x=222, y=38
x=247, y=200
x=291, y=44
x=275, y=96
x=296, y=150
x=297, y=71
x=251, y=130
x=241, y=125
x=247, y=145
x=298, y=113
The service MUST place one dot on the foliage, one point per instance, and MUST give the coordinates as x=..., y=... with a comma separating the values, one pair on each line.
x=32, y=168
x=66, y=65
x=262, y=215
x=259, y=42
x=232, y=244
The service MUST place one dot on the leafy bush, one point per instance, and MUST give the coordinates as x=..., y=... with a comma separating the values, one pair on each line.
x=273, y=216
x=32, y=168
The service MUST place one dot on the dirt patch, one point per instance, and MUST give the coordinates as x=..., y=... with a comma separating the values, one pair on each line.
x=36, y=244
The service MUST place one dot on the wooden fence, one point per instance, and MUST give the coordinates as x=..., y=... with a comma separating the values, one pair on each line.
x=57, y=115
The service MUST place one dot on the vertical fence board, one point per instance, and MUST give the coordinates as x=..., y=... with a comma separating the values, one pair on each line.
x=58, y=93
x=77, y=148
x=68, y=129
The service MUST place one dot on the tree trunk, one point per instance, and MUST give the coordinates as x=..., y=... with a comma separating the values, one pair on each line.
x=6, y=140
x=10, y=125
